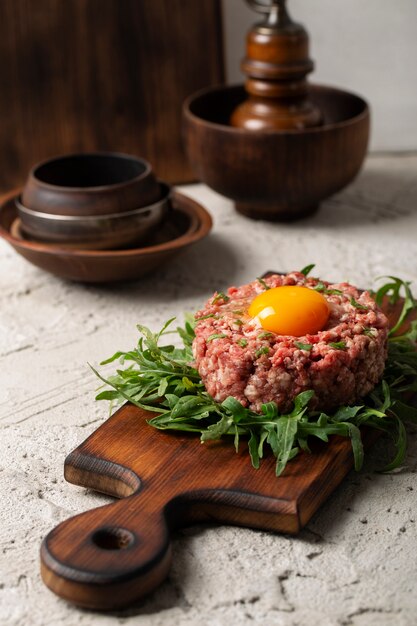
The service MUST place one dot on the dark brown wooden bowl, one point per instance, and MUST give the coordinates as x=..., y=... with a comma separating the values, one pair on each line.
x=276, y=175
x=186, y=224
x=101, y=183
x=96, y=232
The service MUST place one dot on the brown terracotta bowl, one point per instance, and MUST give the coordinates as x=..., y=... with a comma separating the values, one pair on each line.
x=96, y=232
x=90, y=184
x=276, y=174
x=187, y=223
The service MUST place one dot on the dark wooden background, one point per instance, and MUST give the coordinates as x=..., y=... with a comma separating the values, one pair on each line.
x=82, y=75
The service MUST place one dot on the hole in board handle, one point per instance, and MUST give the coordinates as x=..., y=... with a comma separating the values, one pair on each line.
x=113, y=538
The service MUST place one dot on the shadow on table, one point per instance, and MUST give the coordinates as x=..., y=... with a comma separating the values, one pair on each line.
x=200, y=270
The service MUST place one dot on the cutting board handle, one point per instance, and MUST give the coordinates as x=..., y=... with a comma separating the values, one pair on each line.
x=81, y=557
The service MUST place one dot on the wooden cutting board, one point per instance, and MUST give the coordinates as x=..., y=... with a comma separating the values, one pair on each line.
x=109, y=557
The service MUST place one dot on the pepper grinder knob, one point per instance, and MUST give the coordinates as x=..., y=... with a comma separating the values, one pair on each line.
x=276, y=65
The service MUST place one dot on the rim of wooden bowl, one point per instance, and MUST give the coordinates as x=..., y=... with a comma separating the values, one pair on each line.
x=200, y=225
x=91, y=189
x=196, y=119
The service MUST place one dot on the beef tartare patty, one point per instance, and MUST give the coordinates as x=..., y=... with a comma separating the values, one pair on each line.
x=341, y=363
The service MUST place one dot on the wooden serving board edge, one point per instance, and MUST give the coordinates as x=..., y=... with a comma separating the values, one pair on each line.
x=276, y=514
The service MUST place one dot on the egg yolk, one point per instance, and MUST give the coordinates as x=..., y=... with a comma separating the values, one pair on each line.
x=290, y=310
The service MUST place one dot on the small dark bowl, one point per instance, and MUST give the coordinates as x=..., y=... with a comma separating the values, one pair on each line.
x=276, y=175
x=95, y=232
x=90, y=184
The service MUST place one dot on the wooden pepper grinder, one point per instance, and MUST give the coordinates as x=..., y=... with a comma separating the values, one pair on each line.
x=276, y=66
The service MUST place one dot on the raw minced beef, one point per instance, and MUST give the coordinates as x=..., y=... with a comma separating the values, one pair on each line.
x=236, y=357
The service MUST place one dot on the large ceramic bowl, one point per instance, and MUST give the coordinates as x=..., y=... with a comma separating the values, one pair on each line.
x=276, y=174
x=101, y=183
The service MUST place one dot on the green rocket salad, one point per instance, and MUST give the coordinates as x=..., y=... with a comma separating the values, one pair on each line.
x=160, y=378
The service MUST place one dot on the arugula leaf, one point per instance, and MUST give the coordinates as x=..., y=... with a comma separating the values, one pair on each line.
x=215, y=336
x=263, y=283
x=321, y=288
x=261, y=351
x=338, y=345
x=206, y=317
x=301, y=401
x=345, y=413
x=368, y=331
x=270, y=410
x=401, y=446
x=235, y=408
x=286, y=432
x=303, y=346
x=358, y=305
x=218, y=429
x=253, y=446
x=220, y=296
x=307, y=269
x=392, y=290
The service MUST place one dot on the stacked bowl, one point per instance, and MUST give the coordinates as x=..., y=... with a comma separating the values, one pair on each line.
x=98, y=218
x=92, y=201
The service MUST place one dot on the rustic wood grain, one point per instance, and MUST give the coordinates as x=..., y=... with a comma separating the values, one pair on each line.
x=111, y=556
x=86, y=75
x=172, y=480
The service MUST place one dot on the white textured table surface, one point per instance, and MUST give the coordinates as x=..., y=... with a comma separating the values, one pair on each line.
x=354, y=564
